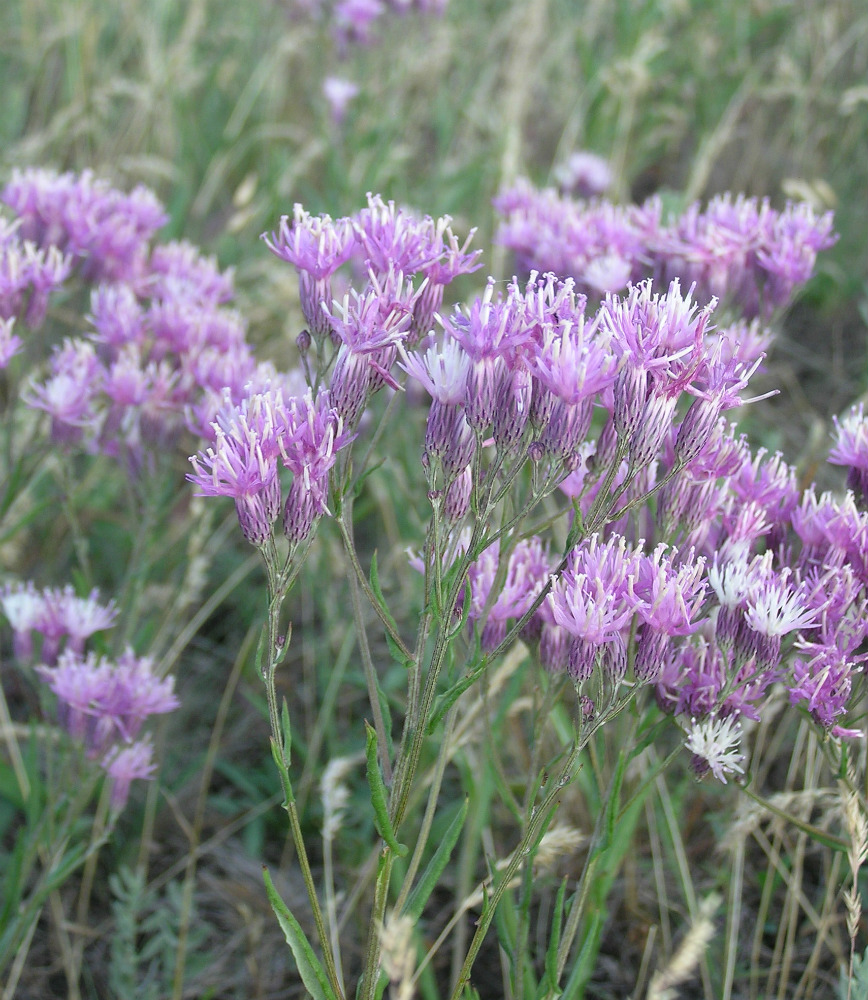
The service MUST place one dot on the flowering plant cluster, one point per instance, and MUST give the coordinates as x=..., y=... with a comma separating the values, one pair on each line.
x=587, y=503
x=162, y=350
x=738, y=249
x=103, y=704
x=588, y=493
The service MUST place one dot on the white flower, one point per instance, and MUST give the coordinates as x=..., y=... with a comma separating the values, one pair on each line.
x=717, y=743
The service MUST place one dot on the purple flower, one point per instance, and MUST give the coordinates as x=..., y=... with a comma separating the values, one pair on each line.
x=70, y=394
x=823, y=684
x=492, y=333
x=101, y=702
x=242, y=463
x=338, y=93
x=526, y=573
x=124, y=765
x=317, y=247
x=851, y=450
x=314, y=435
x=392, y=239
x=24, y=608
x=583, y=174
x=667, y=597
x=178, y=270
x=85, y=217
x=77, y=618
x=590, y=600
x=10, y=344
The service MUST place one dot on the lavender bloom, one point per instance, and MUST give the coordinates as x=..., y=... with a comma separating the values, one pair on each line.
x=28, y=275
x=317, y=247
x=87, y=219
x=338, y=93
x=491, y=334
x=100, y=702
x=124, y=765
x=851, y=450
x=353, y=21
x=76, y=618
x=823, y=684
x=583, y=175
x=314, y=434
x=24, y=609
x=737, y=249
x=788, y=252
x=526, y=573
x=10, y=344
x=178, y=269
x=443, y=373
x=600, y=245
x=393, y=240
x=590, y=600
x=452, y=260
x=370, y=327
x=70, y=395
x=243, y=464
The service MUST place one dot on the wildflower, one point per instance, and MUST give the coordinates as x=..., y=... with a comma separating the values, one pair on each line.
x=583, y=174
x=338, y=93
x=314, y=435
x=105, y=229
x=242, y=464
x=715, y=744
x=392, y=239
x=101, y=702
x=70, y=394
x=24, y=608
x=123, y=765
x=851, y=450
x=525, y=571
x=823, y=683
x=317, y=247
x=490, y=334
x=10, y=344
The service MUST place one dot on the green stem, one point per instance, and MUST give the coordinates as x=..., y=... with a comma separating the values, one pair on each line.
x=275, y=652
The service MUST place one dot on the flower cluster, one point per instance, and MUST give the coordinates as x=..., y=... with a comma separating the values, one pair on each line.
x=59, y=616
x=251, y=440
x=163, y=347
x=720, y=590
x=28, y=276
x=739, y=250
x=105, y=232
x=390, y=245
x=103, y=704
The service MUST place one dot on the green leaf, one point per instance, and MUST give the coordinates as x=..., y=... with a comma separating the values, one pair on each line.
x=309, y=967
x=448, y=699
x=434, y=869
x=286, y=732
x=378, y=794
x=555, y=939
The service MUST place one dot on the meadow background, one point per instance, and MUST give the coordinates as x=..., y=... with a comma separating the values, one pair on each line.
x=219, y=108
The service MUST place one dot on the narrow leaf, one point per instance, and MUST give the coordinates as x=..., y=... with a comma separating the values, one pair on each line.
x=378, y=794
x=434, y=869
x=555, y=938
x=309, y=967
